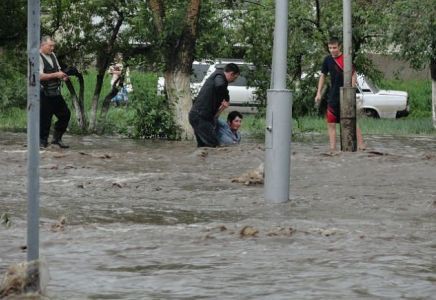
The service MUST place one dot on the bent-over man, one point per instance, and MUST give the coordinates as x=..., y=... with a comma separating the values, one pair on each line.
x=212, y=99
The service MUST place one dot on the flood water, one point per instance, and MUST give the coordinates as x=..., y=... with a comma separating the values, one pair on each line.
x=162, y=220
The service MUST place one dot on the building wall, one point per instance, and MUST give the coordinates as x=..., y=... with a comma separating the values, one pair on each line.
x=393, y=68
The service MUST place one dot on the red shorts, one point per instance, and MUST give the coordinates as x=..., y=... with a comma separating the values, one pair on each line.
x=331, y=115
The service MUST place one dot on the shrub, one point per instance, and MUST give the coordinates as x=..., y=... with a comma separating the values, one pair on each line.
x=13, y=85
x=153, y=116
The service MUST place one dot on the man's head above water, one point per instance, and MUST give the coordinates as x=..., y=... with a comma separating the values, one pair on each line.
x=234, y=119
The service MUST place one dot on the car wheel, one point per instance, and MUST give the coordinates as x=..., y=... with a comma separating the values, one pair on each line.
x=370, y=113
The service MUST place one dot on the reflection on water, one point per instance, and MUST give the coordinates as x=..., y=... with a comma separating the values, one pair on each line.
x=156, y=220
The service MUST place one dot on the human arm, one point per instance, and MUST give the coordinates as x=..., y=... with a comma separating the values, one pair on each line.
x=220, y=84
x=223, y=106
x=50, y=76
x=321, y=82
x=354, y=79
x=57, y=75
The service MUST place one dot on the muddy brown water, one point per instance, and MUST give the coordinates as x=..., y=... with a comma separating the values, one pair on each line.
x=158, y=220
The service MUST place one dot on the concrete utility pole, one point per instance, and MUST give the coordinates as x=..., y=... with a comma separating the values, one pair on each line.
x=33, y=89
x=348, y=93
x=279, y=115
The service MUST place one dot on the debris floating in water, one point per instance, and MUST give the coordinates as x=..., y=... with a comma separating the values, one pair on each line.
x=248, y=231
x=5, y=219
x=251, y=177
x=59, y=225
x=26, y=278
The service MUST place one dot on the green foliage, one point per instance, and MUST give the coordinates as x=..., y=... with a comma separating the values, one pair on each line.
x=119, y=120
x=147, y=115
x=13, y=83
x=87, y=28
x=309, y=31
x=419, y=95
x=253, y=125
x=152, y=117
x=13, y=25
x=413, y=27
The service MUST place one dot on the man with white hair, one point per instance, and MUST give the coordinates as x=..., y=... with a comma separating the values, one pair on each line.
x=52, y=102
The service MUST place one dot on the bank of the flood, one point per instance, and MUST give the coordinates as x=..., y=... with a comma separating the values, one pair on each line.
x=160, y=220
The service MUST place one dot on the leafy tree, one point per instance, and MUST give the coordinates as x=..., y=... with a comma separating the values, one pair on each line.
x=413, y=33
x=185, y=30
x=176, y=26
x=91, y=33
x=310, y=23
x=13, y=27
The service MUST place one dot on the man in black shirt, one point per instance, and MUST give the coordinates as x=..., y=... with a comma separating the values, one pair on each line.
x=333, y=65
x=212, y=99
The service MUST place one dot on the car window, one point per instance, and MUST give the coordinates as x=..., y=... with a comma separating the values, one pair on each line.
x=242, y=78
x=240, y=81
x=371, y=85
x=198, y=72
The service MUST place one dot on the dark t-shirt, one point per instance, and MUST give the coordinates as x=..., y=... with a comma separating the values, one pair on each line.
x=330, y=67
x=212, y=93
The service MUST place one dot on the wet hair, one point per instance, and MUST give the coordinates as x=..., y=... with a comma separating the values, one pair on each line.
x=232, y=115
x=232, y=68
x=46, y=38
x=334, y=40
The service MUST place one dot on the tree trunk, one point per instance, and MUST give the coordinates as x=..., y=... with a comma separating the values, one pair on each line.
x=103, y=60
x=178, y=61
x=95, y=98
x=179, y=93
x=78, y=102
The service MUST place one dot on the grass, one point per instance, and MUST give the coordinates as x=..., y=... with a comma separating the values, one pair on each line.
x=118, y=121
x=255, y=126
x=13, y=119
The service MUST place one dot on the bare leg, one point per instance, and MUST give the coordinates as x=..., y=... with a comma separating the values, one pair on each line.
x=331, y=128
x=360, y=143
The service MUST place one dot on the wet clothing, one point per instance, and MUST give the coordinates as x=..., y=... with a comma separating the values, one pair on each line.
x=52, y=102
x=204, y=130
x=53, y=105
x=331, y=115
x=225, y=135
x=334, y=67
x=205, y=108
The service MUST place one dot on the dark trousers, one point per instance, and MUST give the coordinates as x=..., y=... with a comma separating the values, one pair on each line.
x=204, y=130
x=53, y=105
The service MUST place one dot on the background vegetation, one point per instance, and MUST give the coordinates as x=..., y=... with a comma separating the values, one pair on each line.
x=146, y=114
x=92, y=34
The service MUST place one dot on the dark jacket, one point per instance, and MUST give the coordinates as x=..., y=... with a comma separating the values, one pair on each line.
x=212, y=93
